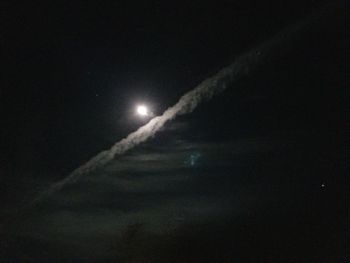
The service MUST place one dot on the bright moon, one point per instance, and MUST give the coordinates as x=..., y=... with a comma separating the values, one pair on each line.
x=142, y=110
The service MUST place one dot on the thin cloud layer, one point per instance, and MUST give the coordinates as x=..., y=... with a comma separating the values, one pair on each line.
x=210, y=87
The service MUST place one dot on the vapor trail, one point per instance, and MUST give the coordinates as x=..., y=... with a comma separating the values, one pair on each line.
x=210, y=87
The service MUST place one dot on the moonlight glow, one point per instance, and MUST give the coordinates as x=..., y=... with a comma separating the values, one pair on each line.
x=142, y=110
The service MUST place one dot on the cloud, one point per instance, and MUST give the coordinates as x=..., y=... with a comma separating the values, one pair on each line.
x=210, y=87
x=149, y=177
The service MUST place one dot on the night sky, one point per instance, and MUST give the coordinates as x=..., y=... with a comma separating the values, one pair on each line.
x=259, y=173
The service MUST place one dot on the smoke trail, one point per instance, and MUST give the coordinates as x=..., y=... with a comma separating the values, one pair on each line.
x=187, y=103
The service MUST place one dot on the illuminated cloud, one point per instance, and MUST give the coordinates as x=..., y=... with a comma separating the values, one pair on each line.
x=210, y=87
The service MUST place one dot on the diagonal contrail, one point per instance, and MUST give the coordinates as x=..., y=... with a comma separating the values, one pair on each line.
x=243, y=65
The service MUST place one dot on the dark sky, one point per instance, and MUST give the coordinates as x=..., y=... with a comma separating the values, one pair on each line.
x=257, y=174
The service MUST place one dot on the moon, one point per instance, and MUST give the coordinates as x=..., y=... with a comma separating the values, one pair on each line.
x=142, y=110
